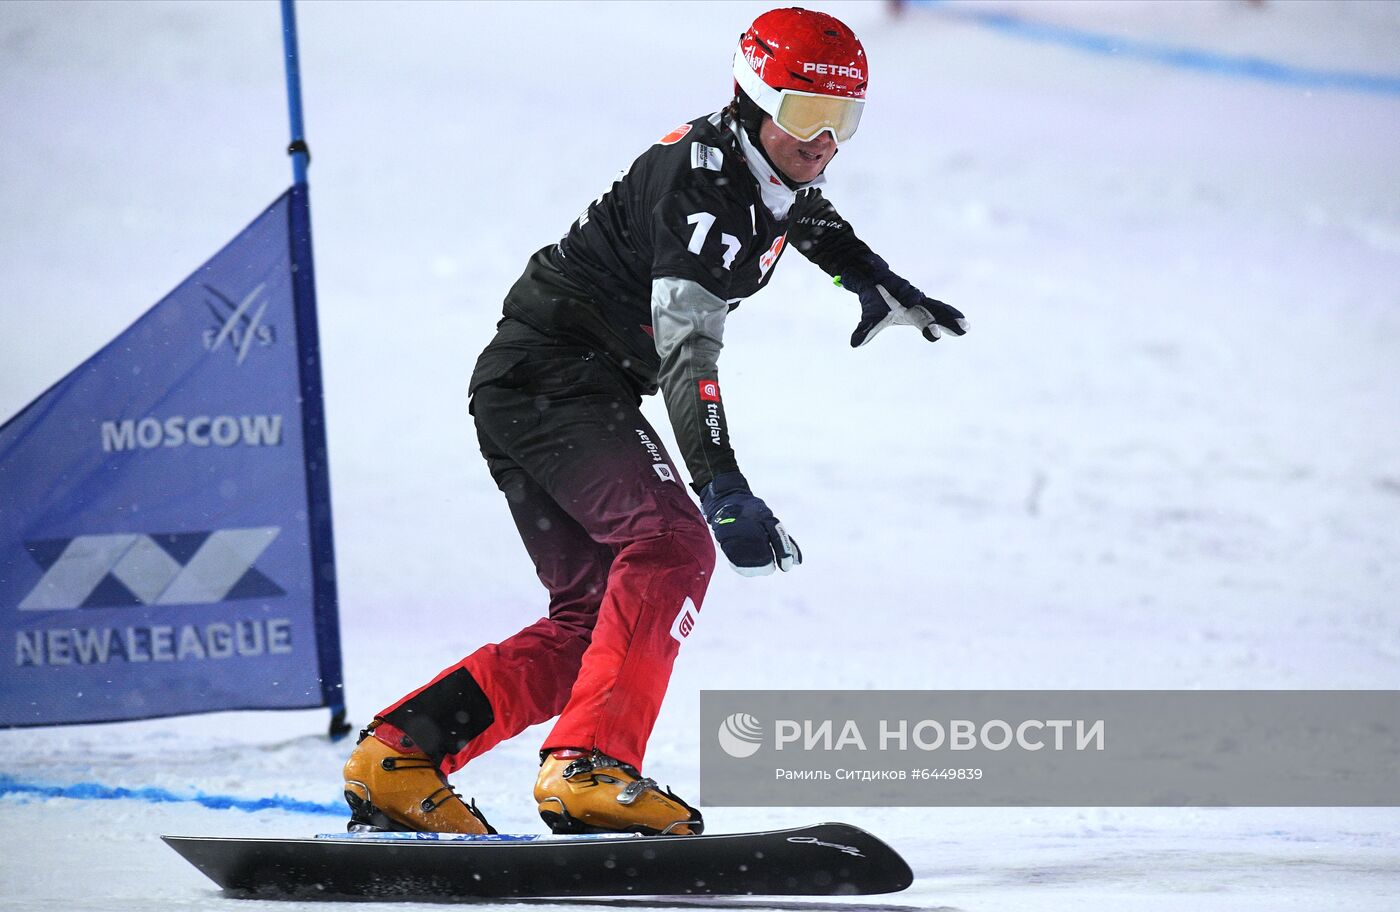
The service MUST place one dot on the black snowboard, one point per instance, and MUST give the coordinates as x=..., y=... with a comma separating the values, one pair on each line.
x=828, y=859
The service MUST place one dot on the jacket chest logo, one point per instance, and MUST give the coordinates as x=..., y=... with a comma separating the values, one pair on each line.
x=766, y=261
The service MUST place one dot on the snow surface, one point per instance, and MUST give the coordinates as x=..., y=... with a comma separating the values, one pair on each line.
x=1167, y=455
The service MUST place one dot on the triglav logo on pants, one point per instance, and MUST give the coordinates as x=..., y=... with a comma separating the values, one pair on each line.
x=658, y=465
x=685, y=621
x=741, y=735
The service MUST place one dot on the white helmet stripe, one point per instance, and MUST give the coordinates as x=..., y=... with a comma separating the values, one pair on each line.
x=767, y=97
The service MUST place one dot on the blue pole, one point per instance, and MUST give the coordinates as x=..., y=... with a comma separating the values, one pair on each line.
x=301, y=154
x=313, y=416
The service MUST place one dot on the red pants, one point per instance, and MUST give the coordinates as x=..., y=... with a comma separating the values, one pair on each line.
x=617, y=541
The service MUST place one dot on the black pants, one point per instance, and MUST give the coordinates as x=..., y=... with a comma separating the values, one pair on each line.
x=616, y=540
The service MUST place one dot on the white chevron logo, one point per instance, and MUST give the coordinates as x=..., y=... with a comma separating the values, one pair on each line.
x=194, y=568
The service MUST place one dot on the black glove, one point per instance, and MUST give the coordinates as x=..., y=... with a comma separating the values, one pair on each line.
x=885, y=298
x=747, y=531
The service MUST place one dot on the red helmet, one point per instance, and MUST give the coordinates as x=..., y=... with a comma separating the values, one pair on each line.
x=807, y=70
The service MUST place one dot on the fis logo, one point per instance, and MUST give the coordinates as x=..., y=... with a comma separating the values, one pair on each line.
x=129, y=570
x=238, y=326
x=706, y=158
x=831, y=69
x=709, y=390
x=766, y=261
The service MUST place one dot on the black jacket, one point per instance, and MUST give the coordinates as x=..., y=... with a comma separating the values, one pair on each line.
x=648, y=272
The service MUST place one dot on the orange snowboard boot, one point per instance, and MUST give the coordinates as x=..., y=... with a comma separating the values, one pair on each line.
x=583, y=792
x=401, y=789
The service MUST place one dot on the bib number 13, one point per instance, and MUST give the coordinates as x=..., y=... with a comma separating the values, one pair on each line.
x=703, y=222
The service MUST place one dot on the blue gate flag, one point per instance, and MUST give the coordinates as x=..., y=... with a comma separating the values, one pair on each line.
x=165, y=542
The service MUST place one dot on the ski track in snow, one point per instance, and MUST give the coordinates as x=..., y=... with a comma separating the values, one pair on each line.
x=1166, y=456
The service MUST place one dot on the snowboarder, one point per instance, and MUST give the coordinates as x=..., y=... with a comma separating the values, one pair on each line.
x=630, y=302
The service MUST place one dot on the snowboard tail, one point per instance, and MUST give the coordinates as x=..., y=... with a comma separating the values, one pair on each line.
x=829, y=859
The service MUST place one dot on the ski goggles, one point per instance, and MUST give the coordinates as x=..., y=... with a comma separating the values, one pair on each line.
x=806, y=116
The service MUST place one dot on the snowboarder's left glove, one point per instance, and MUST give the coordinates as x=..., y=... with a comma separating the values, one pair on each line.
x=886, y=298
x=753, y=540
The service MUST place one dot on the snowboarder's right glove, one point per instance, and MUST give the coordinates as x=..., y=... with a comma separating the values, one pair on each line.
x=753, y=540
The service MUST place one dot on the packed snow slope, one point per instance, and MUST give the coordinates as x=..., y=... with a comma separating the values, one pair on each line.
x=1167, y=455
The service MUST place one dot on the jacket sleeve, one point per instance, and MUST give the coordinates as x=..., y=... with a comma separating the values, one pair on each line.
x=688, y=325
x=824, y=237
x=696, y=236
